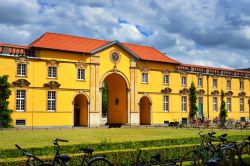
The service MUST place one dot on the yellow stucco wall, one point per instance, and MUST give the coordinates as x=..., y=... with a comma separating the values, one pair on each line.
x=36, y=113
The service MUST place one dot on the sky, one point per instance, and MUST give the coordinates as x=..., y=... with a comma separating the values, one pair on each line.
x=202, y=32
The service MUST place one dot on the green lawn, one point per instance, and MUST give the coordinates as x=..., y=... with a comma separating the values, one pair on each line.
x=40, y=138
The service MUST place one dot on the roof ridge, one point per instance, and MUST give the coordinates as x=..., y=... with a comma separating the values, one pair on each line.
x=76, y=36
x=214, y=67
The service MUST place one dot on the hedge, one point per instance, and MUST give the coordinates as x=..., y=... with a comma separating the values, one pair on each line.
x=120, y=153
x=105, y=145
x=121, y=157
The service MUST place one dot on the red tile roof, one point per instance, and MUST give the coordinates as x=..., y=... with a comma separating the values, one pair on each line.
x=149, y=53
x=87, y=45
x=67, y=43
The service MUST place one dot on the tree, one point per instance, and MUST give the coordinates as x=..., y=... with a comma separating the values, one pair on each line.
x=5, y=92
x=193, y=98
x=223, y=111
x=104, y=100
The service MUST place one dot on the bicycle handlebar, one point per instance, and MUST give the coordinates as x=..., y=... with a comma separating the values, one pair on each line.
x=61, y=140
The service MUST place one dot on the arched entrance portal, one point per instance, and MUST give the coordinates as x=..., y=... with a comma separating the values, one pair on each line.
x=116, y=99
x=80, y=110
x=145, y=118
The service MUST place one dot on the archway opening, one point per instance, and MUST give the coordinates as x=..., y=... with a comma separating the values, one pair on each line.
x=116, y=99
x=80, y=110
x=145, y=118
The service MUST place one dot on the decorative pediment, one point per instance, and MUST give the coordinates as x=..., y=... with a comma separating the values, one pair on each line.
x=229, y=93
x=201, y=92
x=21, y=83
x=242, y=94
x=52, y=84
x=52, y=62
x=215, y=92
x=184, y=91
x=166, y=72
x=80, y=65
x=199, y=75
x=22, y=59
x=166, y=90
x=145, y=70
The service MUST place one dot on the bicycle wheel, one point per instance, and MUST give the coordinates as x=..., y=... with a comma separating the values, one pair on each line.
x=245, y=154
x=191, y=158
x=227, y=157
x=99, y=161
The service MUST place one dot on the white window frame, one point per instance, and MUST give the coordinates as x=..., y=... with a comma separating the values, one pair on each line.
x=241, y=85
x=200, y=82
x=52, y=72
x=242, y=104
x=51, y=101
x=184, y=103
x=144, y=78
x=166, y=103
x=166, y=79
x=21, y=69
x=215, y=83
x=81, y=74
x=184, y=81
x=229, y=84
x=20, y=100
x=215, y=104
x=229, y=104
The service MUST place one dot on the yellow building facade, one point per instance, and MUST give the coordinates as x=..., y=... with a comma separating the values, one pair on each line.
x=55, y=82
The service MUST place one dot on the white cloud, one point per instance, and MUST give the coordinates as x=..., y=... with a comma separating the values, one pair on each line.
x=204, y=32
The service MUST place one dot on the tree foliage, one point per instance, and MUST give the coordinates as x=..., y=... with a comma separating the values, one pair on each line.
x=223, y=111
x=104, y=100
x=5, y=92
x=193, y=99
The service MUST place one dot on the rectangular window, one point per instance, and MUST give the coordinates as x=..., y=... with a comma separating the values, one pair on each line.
x=52, y=72
x=166, y=79
x=228, y=84
x=166, y=103
x=215, y=104
x=21, y=69
x=81, y=74
x=20, y=122
x=51, y=101
x=20, y=100
x=229, y=104
x=184, y=103
x=184, y=81
x=241, y=104
x=241, y=85
x=144, y=77
x=200, y=82
x=214, y=83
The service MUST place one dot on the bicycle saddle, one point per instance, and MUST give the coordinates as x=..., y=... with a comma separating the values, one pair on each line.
x=64, y=157
x=87, y=150
x=157, y=157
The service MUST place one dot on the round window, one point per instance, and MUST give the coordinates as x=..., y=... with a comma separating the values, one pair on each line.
x=115, y=56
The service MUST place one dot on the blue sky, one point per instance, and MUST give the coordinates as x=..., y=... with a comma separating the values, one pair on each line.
x=204, y=32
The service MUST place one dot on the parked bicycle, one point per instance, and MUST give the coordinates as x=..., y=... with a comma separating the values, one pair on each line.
x=209, y=154
x=89, y=160
x=156, y=160
x=57, y=160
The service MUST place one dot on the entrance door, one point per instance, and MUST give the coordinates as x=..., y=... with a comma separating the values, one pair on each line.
x=200, y=107
x=76, y=117
x=116, y=99
x=80, y=110
x=145, y=118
